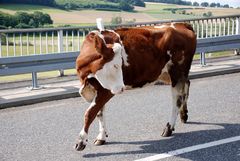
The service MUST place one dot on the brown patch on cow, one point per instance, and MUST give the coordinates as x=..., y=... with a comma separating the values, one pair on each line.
x=110, y=37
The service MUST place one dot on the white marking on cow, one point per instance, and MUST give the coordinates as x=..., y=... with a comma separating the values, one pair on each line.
x=87, y=92
x=123, y=52
x=175, y=109
x=160, y=27
x=169, y=53
x=124, y=56
x=182, y=59
x=102, y=126
x=164, y=76
x=190, y=149
x=172, y=25
x=83, y=136
x=111, y=76
x=99, y=34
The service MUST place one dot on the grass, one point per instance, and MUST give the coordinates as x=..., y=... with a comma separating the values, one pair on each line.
x=152, y=12
x=40, y=75
x=215, y=54
x=50, y=48
x=13, y=8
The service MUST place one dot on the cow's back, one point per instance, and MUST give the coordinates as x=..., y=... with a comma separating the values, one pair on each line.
x=149, y=49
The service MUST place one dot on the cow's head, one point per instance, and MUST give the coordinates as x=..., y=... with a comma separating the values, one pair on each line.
x=102, y=61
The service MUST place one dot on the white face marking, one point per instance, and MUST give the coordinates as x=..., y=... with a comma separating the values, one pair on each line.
x=123, y=53
x=111, y=76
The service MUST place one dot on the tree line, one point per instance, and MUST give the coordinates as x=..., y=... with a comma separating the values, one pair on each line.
x=189, y=3
x=24, y=20
x=81, y=4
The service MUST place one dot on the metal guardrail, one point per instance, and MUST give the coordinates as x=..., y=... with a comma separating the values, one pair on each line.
x=48, y=62
x=37, y=63
x=22, y=42
x=216, y=44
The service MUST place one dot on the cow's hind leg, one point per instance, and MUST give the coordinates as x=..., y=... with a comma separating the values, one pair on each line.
x=183, y=108
x=178, y=97
x=102, y=97
x=101, y=138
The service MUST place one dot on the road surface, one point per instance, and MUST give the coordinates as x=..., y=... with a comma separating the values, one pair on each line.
x=135, y=119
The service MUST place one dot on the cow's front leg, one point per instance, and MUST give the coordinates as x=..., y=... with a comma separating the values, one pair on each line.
x=177, y=102
x=103, y=95
x=101, y=138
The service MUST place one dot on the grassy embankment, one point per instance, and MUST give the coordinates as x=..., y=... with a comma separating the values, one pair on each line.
x=151, y=12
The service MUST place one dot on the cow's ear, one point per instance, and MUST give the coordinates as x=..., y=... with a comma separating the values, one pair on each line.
x=102, y=48
x=99, y=44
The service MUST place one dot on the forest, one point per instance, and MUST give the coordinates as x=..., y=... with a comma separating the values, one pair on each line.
x=24, y=20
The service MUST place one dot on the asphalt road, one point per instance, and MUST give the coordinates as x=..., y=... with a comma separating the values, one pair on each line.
x=135, y=120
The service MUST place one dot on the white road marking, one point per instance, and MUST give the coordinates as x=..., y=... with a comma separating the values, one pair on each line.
x=190, y=149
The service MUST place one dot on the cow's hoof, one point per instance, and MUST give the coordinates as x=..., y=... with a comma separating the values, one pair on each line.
x=184, y=118
x=167, y=131
x=80, y=146
x=99, y=142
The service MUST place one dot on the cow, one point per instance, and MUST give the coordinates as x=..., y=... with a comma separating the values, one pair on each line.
x=114, y=60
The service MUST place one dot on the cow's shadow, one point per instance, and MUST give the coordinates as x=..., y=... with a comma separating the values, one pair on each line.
x=177, y=141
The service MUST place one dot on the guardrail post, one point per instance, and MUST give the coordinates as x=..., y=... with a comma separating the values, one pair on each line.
x=60, y=48
x=237, y=51
x=202, y=59
x=34, y=81
x=0, y=45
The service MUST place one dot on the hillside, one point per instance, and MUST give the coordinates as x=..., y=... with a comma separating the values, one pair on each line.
x=152, y=12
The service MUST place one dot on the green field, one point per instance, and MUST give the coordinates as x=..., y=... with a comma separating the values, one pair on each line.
x=152, y=12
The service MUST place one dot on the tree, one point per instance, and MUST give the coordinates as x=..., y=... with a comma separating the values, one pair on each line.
x=23, y=17
x=33, y=23
x=208, y=14
x=204, y=4
x=41, y=18
x=226, y=6
x=125, y=6
x=195, y=4
x=116, y=20
x=22, y=26
x=218, y=5
x=213, y=5
x=137, y=3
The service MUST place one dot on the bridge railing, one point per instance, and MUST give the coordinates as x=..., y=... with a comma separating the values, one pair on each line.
x=47, y=62
x=22, y=42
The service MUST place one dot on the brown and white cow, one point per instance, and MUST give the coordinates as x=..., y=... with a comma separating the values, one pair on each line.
x=132, y=57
